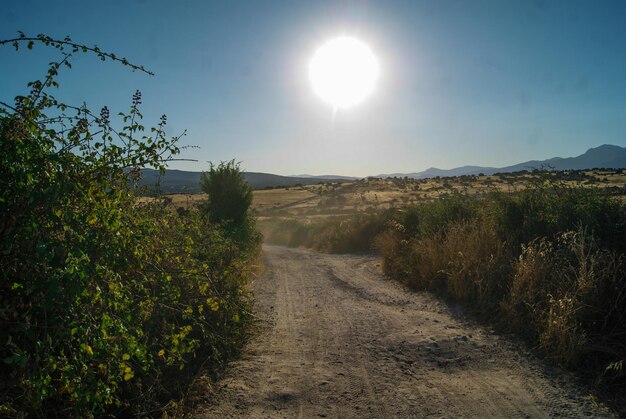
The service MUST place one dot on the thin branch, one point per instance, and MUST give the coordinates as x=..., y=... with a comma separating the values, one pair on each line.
x=47, y=40
x=51, y=74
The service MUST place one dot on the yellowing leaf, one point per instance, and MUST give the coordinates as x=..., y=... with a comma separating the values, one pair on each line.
x=213, y=304
x=161, y=353
x=125, y=357
x=89, y=350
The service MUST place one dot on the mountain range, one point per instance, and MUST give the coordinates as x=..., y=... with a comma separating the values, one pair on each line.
x=604, y=156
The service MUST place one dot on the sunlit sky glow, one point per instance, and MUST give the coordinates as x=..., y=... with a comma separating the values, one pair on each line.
x=343, y=72
x=487, y=82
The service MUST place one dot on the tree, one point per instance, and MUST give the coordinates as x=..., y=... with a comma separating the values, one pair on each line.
x=230, y=195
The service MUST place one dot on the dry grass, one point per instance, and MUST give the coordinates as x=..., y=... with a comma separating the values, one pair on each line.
x=279, y=199
x=466, y=260
x=571, y=293
x=313, y=202
x=548, y=263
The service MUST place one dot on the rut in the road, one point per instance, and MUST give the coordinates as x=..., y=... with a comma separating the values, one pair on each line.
x=341, y=341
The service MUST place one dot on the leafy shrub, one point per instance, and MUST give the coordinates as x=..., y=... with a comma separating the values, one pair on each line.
x=548, y=209
x=228, y=205
x=229, y=194
x=435, y=216
x=107, y=306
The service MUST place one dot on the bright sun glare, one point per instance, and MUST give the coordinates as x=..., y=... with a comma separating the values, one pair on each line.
x=343, y=72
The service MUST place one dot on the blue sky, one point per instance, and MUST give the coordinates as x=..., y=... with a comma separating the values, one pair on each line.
x=488, y=83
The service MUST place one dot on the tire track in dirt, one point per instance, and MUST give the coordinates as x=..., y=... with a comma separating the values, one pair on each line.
x=342, y=341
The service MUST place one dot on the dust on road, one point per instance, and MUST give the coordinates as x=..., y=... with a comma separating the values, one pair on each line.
x=341, y=341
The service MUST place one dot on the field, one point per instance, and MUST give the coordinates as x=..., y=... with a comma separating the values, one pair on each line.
x=374, y=194
x=317, y=202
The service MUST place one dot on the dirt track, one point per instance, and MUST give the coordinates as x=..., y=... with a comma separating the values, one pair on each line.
x=341, y=341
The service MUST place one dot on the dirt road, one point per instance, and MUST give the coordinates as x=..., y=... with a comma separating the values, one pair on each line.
x=341, y=341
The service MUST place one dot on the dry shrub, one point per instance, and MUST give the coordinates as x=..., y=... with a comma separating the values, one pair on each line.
x=393, y=251
x=336, y=235
x=561, y=334
x=354, y=234
x=477, y=262
x=286, y=232
x=533, y=283
x=426, y=264
x=417, y=263
x=467, y=261
x=570, y=295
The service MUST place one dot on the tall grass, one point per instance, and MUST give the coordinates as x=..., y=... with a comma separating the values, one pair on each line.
x=570, y=295
x=547, y=263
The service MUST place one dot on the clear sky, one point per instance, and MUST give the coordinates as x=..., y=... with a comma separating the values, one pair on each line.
x=464, y=82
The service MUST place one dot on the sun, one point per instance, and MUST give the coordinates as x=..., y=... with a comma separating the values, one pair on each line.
x=343, y=72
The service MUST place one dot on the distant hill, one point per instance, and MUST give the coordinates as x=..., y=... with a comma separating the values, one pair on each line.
x=327, y=177
x=181, y=181
x=608, y=156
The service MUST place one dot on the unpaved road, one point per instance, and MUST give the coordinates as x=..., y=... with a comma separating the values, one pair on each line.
x=341, y=341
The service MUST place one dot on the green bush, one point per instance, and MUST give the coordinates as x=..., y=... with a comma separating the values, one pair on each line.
x=229, y=194
x=107, y=305
x=228, y=205
x=549, y=208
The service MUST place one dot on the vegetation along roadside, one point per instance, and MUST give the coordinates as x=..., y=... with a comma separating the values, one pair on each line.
x=546, y=262
x=108, y=306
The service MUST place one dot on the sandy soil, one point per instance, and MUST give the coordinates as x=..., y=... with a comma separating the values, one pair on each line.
x=338, y=340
